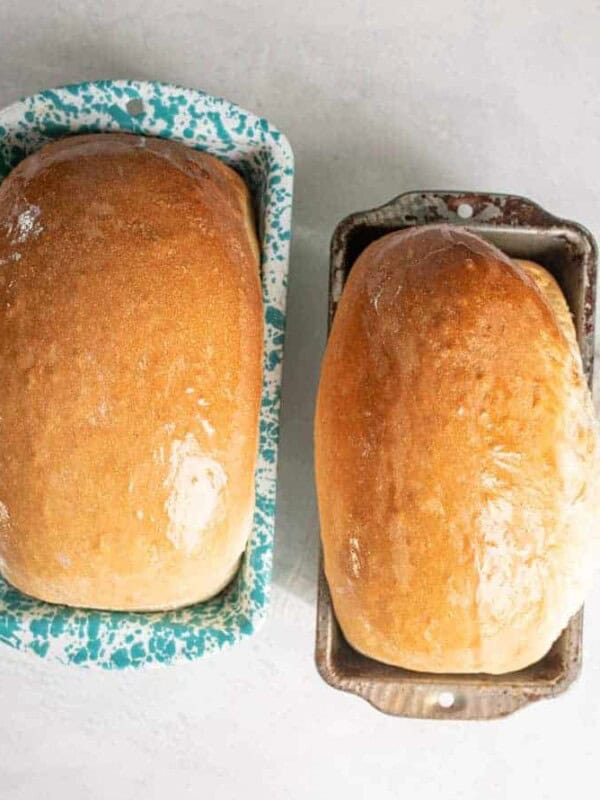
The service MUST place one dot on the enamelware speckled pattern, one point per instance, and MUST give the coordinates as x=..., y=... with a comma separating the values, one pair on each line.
x=262, y=154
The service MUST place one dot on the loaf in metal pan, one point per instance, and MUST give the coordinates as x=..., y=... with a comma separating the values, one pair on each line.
x=457, y=457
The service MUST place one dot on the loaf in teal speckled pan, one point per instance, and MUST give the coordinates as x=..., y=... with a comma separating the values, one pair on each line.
x=260, y=152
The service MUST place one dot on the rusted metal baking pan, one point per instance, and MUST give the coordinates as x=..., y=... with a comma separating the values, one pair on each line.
x=522, y=229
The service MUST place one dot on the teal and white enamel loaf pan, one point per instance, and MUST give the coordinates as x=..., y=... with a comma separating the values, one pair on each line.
x=263, y=156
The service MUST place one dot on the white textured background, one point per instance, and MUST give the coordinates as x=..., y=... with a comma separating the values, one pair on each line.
x=377, y=98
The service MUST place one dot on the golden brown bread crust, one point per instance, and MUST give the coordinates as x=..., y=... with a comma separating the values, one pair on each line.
x=456, y=457
x=130, y=373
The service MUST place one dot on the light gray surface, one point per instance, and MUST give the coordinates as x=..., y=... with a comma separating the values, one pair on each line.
x=376, y=98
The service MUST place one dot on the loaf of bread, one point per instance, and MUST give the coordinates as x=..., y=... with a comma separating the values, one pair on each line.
x=457, y=457
x=131, y=333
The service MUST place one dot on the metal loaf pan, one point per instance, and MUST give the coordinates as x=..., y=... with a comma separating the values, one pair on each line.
x=522, y=229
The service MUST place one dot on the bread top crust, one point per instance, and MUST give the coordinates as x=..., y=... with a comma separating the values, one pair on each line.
x=456, y=457
x=131, y=333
